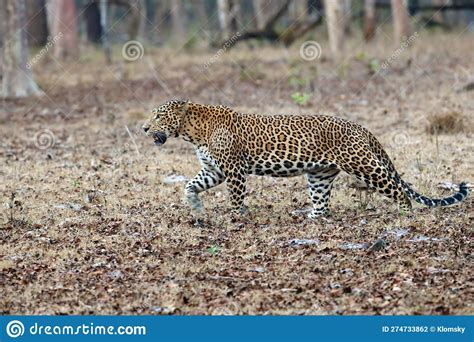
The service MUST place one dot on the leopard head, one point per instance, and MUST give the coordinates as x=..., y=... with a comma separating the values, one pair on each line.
x=165, y=121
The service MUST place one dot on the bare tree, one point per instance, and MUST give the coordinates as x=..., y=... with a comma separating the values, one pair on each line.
x=265, y=9
x=258, y=6
x=17, y=77
x=135, y=7
x=144, y=19
x=347, y=15
x=369, y=19
x=160, y=21
x=228, y=11
x=401, y=24
x=92, y=18
x=335, y=16
x=2, y=20
x=178, y=18
x=296, y=28
x=37, y=26
x=105, y=35
x=136, y=15
x=63, y=27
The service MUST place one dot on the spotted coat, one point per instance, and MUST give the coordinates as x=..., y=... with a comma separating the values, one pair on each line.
x=232, y=145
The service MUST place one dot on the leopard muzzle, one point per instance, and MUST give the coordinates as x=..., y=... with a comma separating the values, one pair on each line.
x=159, y=138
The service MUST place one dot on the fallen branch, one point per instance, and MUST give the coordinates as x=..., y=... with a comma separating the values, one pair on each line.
x=267, y=33
x=288, y=37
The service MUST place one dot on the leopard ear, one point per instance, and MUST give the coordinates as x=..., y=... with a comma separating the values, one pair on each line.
x=184, y=107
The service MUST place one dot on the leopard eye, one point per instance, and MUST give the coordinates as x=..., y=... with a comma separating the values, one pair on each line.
x=156, y=113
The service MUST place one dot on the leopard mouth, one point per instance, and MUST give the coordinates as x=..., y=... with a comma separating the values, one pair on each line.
x=159, y=138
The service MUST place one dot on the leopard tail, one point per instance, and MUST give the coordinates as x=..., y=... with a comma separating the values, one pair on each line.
x=436, y=202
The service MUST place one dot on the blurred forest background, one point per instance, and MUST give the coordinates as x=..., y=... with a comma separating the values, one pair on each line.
x=92, y=218
x=65, y=25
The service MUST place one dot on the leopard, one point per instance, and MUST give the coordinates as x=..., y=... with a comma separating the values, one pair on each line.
x=231, y=145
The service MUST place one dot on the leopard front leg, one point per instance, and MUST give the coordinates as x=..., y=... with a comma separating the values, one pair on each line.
x=227, y=150
x=204, y=180
x=236, y=185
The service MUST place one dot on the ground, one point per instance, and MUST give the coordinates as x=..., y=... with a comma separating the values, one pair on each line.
x=93, y=220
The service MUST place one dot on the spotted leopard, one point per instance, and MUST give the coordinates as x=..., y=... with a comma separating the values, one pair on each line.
x=232, y=145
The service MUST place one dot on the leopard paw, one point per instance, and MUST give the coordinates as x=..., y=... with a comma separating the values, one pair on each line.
x=315, y=213
x=195, y=203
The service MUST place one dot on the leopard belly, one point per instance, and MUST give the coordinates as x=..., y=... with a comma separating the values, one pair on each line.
x=282, y=167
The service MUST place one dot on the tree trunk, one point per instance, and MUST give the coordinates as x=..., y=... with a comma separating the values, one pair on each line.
x=2, y=20
x=17, y=76
x=144, y=20
x=228, y=12
x=92, y=17
x=37, y=26
x=401, y=25
x=334, y=14
x=178, y=19
x=223, y=15
x=259, y=8
x=105, y=36
x=63, y=27
x=369, y=20
x=236, y=15
x=161, y=21
x=135, y=19
x=347, y=16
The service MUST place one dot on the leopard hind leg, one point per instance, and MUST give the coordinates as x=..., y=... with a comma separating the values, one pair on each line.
x=377, y=177
x=319, y=185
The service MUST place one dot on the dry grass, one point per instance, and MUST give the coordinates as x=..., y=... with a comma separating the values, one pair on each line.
x=448, y=123
x=90, y=227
